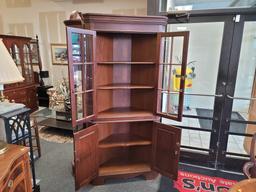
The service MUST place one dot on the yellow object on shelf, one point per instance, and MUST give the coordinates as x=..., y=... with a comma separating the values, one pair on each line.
x=176, y=78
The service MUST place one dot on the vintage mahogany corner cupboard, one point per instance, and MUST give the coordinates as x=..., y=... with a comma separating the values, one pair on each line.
x=121, y=81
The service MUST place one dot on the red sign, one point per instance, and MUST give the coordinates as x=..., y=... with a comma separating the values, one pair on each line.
x=188, y=182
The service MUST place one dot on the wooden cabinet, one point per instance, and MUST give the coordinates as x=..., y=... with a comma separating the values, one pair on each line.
x=23, y=92
x=15, y=170
x=86, y=155
x=166, y=149
x=121, y=72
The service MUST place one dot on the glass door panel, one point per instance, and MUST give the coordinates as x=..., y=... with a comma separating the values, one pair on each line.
x=202, y=64
x=243, y=117
x=81, y=70
x=236, y=145
x=196, y=139
x=172, y=69
x=15, y=53
x=171, y=5
x=27, y=64
x=200, y=84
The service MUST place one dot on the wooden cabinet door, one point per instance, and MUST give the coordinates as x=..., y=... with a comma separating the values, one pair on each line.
x=166, y=149
x=81, y=60
x=85, y=155
x=172, y=73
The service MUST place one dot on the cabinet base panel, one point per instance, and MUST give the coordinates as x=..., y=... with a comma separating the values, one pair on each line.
x=147, y=176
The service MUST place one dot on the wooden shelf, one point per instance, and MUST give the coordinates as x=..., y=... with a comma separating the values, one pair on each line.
x=82, y=63
x=125, y=86
x=125, y=112
x=123, y=166
x=126, y=63
x=177, y=64
x=123, y=140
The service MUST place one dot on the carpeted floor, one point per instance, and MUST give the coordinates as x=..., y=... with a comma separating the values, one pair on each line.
x=54, y=167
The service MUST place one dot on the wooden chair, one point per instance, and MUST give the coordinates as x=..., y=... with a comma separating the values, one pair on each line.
x=250, y=167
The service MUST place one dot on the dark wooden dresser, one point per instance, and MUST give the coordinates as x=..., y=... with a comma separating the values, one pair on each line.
x=24, y=92
x=15, y=170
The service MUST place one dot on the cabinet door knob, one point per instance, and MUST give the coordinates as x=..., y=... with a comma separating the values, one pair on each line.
x=10, y=183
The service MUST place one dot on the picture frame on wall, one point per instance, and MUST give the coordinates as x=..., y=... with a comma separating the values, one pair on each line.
x=59, y=54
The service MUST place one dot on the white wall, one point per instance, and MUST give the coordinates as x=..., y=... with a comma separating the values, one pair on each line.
x=45, y=18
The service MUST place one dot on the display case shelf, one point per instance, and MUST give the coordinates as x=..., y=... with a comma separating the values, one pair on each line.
x=123, y=140
x=82, y=63
x=120, y=166
x=124, y=112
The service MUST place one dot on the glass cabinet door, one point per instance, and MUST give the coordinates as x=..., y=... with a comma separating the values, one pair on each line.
x=173, y=49
x=81, y=74
x=27, y=64
x=15, y=53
